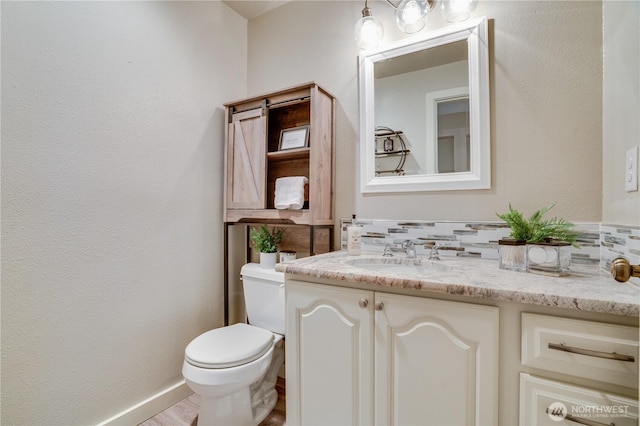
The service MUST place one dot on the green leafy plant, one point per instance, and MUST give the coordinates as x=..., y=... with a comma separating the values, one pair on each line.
x=266, y=241
x=536, y=229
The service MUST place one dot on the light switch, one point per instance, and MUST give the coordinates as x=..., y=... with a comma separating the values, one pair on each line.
x=631, y=170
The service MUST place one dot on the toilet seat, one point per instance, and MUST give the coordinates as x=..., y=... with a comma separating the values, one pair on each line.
x=229, y=346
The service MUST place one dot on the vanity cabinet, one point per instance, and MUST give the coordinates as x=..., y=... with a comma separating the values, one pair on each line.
x=361, y=357
x=470, y=346
x=255, y=159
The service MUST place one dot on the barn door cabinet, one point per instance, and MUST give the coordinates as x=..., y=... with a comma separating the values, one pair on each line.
x=254, y=159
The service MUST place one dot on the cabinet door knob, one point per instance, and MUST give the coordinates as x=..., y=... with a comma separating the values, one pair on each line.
x=363, y=303
x=379, y=306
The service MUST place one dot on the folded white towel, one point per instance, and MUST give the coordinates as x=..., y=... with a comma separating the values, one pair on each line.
x=290, y=192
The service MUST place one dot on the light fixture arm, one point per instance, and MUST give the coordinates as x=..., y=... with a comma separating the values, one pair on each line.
x=392, y=5
x=366, y=11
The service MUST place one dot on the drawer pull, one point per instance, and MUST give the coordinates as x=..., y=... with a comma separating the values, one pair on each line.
x=589, y=352
x=582, y=421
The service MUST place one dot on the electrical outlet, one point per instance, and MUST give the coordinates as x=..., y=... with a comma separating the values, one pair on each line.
x=631, y=170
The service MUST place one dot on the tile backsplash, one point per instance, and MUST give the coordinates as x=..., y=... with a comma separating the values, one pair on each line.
x=617, y=241
x=599, y=244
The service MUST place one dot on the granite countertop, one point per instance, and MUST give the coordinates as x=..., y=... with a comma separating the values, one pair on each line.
x=588, y=288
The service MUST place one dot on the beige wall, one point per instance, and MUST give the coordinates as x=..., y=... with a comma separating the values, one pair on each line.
x=621, y=108
x=112, y=129
x=546, y=103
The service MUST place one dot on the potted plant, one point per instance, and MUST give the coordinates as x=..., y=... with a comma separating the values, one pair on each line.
x=536, y=244
x=266, y=242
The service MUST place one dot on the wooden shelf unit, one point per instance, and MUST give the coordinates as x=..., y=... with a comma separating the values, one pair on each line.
x=253, y=163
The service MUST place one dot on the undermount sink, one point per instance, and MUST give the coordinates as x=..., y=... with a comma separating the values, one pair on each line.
x=398, y=265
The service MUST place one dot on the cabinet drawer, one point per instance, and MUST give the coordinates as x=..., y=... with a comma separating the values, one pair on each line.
x=598, y=351
x=546, y=402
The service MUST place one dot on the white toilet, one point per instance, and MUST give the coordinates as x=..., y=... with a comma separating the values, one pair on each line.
x=235, y=368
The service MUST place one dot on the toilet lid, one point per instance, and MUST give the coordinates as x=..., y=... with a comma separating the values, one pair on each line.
x=228, y=346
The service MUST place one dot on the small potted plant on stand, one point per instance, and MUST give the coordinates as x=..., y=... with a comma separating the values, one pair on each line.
x=537, y=245
x=266, y=242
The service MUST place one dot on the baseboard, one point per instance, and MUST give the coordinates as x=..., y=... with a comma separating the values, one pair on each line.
x=150, y=406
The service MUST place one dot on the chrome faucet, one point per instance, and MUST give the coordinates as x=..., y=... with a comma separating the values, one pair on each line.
x=409, y=248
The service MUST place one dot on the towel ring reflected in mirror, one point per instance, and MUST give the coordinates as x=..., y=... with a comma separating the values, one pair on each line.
x=390, y=151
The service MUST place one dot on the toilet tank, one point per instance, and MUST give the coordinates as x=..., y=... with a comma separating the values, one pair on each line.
x=264, y=297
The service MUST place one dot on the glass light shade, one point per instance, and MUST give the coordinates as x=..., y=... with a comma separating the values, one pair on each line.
x=410, y=15
x=369, y=32
x=457, y=10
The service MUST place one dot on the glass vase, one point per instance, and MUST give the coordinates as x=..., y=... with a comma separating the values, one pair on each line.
x=513, y=255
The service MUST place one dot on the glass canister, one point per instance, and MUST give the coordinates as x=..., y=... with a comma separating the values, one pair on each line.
x=549, y=258
x=287, y=256
x=513, y=255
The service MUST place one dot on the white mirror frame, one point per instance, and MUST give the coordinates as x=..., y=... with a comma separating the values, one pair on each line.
x=479, y=177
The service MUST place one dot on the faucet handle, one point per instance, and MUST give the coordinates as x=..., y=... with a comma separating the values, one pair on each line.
x=388, y=252
x=434, y=255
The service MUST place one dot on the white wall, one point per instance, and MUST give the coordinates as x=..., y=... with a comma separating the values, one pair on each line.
x=621, y=108
x=546, y=103
x=112, y=143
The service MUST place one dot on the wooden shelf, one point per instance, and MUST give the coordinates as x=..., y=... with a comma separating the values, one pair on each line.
x=289, y=154
x=298, y=217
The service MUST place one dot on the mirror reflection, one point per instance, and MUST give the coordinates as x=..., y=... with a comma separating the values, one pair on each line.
x=422, y=111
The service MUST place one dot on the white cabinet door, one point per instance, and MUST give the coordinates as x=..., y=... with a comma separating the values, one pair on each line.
x=329, y=355
x=436, y=362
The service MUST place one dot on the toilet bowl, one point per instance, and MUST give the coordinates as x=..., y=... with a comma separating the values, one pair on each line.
x=234, y=369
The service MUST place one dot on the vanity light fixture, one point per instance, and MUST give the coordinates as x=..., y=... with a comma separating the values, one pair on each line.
x=369, y=30
x=410, y=17
x=457, y=10
x=411, y=14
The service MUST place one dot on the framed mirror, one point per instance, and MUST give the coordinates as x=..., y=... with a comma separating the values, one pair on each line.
x=424, y=112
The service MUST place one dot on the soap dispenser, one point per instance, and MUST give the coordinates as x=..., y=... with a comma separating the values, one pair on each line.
x=353, y=239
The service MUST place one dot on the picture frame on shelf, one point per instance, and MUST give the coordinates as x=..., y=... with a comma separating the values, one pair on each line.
x=294, y=138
